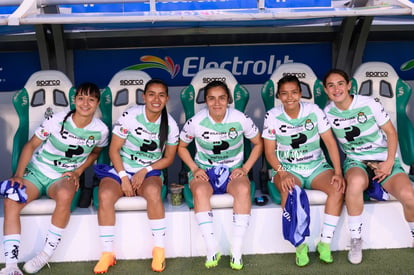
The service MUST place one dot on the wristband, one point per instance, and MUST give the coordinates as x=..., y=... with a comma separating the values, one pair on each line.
x=149, y=168
x=122, y=174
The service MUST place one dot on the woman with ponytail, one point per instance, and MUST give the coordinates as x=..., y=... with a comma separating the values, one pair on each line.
x=144, y=142
x=51, y=162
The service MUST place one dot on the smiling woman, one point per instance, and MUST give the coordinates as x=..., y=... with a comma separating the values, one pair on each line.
x=63, y=146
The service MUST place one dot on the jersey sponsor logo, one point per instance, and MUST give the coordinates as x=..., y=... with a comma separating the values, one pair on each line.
x=74, y=150
x=130, y=82
x=376, y=74
x=337, y=121
x=297, y=140
x=351, y=133
x=52, y=82
x=284, y=128
x=220, y=146
x=148, y=146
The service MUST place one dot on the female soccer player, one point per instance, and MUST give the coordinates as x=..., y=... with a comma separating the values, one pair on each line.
x=218, y=132
x=69, y=143
x=144, y=142
x=292, y=133
x=365, y=133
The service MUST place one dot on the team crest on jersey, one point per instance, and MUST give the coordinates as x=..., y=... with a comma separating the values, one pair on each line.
x=309, y=125
x=91, y=141
x=362, y=118
x=233, y=133
x=48, y=113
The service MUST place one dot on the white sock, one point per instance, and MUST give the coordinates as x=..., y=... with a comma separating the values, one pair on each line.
x=53, y=238
x=240, y=224
x=11, y=244
x=107, y=236
x=205, y=223
x=355, y=226
x=158, y=228
x=328, y=228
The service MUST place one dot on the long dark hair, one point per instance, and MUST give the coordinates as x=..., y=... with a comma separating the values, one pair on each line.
x=88, y=89
x=164, y=114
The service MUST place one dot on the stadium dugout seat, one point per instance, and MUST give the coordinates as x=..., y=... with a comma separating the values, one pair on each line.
x=45, y=93
x=313, y=92
x=124, y=90
x=381, y=81
x=192, y=99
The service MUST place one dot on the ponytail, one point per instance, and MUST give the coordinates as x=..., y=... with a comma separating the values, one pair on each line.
x=64, y=120
x=163, y=128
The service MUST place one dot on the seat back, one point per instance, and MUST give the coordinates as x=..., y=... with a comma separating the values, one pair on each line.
x=381, y=81
x=312, y=87
x=44, y=94
x=192, y=96
x=124, y=90
x=313, y=92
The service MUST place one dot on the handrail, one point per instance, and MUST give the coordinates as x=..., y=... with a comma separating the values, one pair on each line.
x=29, y=13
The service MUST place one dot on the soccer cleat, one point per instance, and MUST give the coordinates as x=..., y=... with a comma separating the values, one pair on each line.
x=355, y=253
x=158, y=259
x=236, y=264
x=107, y=260
x=302, y=257
x=213, y=262
x=11, y=270
x=37, y=263
x=324, y=250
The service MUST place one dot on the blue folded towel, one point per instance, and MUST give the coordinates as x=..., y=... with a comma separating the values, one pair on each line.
x=13, y=192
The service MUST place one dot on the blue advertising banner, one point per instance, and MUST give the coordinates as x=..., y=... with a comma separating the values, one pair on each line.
x=16, y=68
x=400, y=55
x=205, y=5
x=251, y=64
x=297, y=3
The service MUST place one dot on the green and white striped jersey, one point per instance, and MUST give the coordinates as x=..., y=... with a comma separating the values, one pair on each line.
x=142, y=142
x=219, y=143
x=358, y=128
x=298, y=140
x=66, y=151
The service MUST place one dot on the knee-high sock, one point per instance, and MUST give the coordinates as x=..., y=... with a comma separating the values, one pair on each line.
x=355, y=226
x=53, y=238
x=205, y=223
x=240, y=224
x=11, y=244
x=328, y=228
x=158, y=229
x=107, y=236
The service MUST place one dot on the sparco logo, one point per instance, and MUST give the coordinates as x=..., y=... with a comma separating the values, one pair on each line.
x=298, y=75
x=376, y=74
x=48, y=82
x=210, y=79
x=128, y=82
